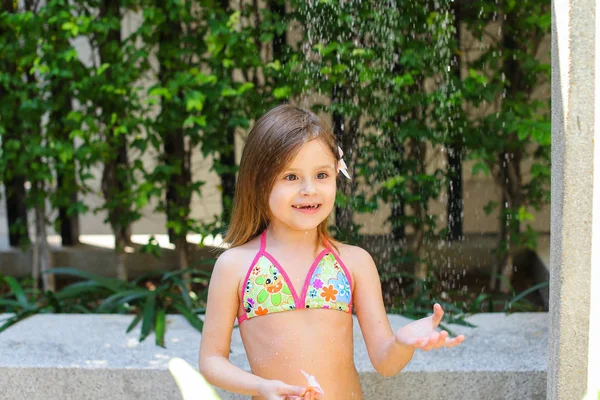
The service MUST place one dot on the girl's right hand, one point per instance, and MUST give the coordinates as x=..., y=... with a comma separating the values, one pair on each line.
x=277, y=390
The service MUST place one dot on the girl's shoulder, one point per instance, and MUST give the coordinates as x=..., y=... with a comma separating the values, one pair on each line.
x=237, y=260
x=353, y=256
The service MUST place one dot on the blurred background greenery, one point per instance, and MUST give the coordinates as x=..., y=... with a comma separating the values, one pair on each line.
x=115, y=97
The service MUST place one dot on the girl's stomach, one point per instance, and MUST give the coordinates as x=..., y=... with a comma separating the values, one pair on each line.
x=317, y=341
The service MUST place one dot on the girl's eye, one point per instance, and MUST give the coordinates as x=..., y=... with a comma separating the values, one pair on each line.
x=290, y=177
x=322, y=175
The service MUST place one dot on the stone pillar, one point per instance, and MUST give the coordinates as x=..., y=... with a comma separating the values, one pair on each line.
x=594, y=335
x=572, y=209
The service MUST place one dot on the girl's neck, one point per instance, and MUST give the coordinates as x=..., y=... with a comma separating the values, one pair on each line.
x=291, y=239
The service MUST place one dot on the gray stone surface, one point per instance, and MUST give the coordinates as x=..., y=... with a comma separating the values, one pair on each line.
x=91, y=357
x=573, y=118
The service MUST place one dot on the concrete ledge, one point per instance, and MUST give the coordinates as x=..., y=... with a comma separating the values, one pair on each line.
x=90, y=357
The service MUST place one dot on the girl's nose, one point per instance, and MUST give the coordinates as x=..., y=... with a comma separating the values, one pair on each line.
x=308, y=189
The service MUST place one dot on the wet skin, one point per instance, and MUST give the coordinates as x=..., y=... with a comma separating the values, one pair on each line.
x=317, y=341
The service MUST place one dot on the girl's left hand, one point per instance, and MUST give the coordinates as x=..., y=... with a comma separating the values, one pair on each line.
x=310, y=394
x=422, y=334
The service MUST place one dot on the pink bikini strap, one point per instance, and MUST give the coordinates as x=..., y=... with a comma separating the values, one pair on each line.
x=339, y=260
x=263, y=244
x=263, y=241
x=327, y=245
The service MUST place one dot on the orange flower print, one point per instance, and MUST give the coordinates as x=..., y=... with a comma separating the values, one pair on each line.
x=261, y=311
x=256, y=270
x=329, y=293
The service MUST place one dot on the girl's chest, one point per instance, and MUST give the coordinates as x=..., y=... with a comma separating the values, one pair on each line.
x=272, y=287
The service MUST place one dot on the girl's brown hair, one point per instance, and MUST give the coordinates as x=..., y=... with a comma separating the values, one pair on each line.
x=271, y=145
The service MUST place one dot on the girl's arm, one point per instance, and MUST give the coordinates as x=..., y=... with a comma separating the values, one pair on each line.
x=390, y=352
x=387, y=355
x=221, y=310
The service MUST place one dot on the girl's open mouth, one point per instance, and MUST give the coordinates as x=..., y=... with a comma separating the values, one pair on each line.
x=307, y=208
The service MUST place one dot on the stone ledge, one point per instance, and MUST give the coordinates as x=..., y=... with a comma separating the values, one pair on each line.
x=90, y=357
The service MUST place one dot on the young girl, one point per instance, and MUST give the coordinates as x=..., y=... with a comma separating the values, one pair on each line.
x=291, y=286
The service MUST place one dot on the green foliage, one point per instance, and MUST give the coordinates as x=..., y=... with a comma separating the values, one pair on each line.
x=150, y=298
x=374, y=62
x=382, y=68
x=431, y=291
x=516, y=125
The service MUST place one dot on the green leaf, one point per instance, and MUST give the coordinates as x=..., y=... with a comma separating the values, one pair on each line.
x=282, y=92
x=123, y=297
x=234, y=19
x=161, y=92
x=190, y=316
x=194, y=100
x=266, y=37
x=275, y=65
x=109, y=283
x=184, y=292
x=79, y=288
x=523, y=215
x=71, y=28
x=10, y=303
x=17, y=290
x=17, y=318
x=245, y=87
x=135, y=321
x=102, y=68
x=394, y=181
x=229, y=92
x=149, y=315
x=490, y=207
x=524, y=293
x=193, y=120
x=480, y=167
x=403, y=80
x=159, y=328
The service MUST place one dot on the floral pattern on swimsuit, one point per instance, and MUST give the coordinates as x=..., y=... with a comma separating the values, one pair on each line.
x=329, y=286
x=267, y=290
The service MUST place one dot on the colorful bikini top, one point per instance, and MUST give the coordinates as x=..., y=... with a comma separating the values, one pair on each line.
x=267, y=288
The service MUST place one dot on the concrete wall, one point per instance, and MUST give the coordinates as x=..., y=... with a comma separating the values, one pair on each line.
x=64, y=357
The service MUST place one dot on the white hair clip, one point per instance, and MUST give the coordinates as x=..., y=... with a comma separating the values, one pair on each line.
x=342, y=167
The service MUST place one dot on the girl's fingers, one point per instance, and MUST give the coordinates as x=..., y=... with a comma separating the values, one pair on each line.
x=441, y=340
x=438, y=313
x=433, y=339
x=454, y=341
x=312, y=395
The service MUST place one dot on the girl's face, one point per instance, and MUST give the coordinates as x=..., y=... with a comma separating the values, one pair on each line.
x=303, y=194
